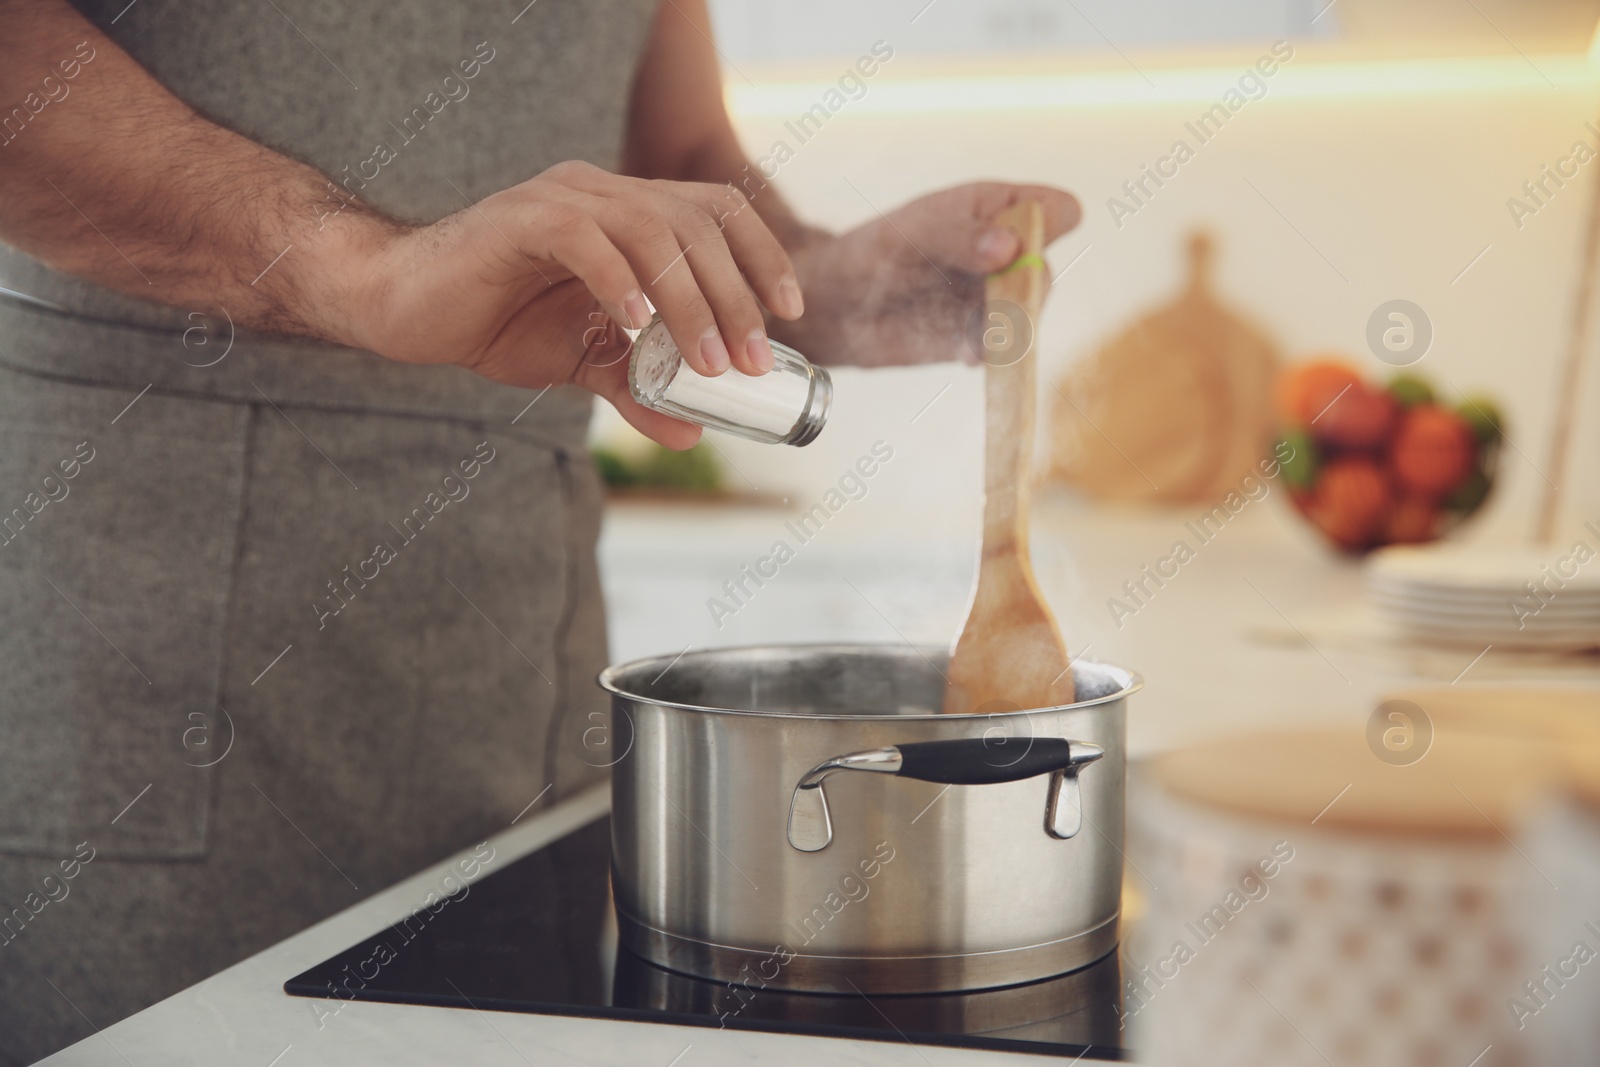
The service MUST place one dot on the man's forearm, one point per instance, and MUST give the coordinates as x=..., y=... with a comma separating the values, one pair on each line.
x=116, y=180
x=120, y=182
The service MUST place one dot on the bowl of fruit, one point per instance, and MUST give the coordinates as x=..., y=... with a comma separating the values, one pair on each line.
x=1373, y=464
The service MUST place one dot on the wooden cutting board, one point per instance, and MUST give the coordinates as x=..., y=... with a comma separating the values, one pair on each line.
x=1176, y=408
x=1468, y=785
x=1010, y=654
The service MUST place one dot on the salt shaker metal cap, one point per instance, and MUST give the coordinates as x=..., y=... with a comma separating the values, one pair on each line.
x=788, y=405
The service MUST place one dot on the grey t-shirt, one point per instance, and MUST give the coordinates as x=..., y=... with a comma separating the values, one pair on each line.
x=416, y=108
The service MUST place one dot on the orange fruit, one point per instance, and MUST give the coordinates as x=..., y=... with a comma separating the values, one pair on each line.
x=1350, y=501
x=1433, y=452
x=1306, y=389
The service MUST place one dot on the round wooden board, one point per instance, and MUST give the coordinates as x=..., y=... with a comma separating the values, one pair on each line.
x=1468, y=785
x=1566, y=718
x=1177, y=407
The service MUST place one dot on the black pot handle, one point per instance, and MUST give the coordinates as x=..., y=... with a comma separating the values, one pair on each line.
x=980, y=761
x=963, y=761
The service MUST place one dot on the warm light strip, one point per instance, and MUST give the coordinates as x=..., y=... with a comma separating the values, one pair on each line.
x=1476, y=74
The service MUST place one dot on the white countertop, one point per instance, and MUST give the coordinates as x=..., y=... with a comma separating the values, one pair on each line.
x=1264, y=628
x=242, y=1015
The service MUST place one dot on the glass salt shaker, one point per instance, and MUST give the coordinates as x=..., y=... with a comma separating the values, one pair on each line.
x=785, y=406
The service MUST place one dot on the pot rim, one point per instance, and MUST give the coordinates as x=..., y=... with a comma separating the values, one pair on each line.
x=1131, y=681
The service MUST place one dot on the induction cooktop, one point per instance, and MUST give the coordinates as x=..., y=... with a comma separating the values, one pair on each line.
x=539, y=936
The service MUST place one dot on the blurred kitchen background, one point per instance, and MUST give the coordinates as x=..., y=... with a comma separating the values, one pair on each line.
x=1377, y=166
x=1427, y=757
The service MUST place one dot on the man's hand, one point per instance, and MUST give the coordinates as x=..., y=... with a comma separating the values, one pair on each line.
x=525, y=287
x=528, y=286
x=129, y=187
x=907, y=287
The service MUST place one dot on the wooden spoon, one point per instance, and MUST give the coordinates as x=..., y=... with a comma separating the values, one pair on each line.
x=1010, y=654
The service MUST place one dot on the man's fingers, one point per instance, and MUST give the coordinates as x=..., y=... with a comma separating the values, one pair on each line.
x=635, y=229
x=760, y=255
x=703, y=287
x=959, y=228
x=564, y=232
x=995, y=246
x=740, y=324
x=622, y=251
x=1062, y=212
x=662, y=257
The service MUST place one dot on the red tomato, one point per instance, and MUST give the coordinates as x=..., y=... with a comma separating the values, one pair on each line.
x=1350, y=501
x=1433, y=452
x=1361, y=418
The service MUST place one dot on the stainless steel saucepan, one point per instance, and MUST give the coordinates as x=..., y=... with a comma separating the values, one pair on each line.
x=801, y=817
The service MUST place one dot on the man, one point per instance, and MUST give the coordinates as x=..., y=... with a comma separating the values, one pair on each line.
x=296, y=552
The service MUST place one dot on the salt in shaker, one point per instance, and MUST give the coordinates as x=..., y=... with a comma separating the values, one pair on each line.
x=787, y=405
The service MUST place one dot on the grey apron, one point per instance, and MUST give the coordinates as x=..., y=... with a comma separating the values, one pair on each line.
x=279, y=627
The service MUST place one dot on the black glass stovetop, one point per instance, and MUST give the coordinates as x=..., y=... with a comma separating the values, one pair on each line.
x=538, y=936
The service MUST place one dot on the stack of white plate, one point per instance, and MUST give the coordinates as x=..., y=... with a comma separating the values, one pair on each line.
x=1508, y=596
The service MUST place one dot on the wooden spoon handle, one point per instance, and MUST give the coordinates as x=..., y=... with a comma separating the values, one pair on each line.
x=1014, y=297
